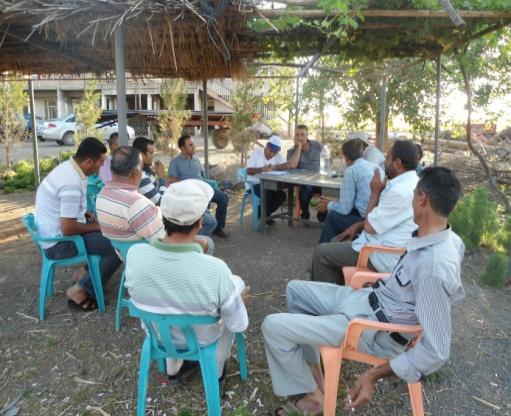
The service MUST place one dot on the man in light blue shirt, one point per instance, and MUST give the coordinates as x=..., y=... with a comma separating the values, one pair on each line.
x=354, y=193
x=186, y=166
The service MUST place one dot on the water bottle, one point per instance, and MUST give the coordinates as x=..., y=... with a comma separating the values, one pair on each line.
x=324, y=161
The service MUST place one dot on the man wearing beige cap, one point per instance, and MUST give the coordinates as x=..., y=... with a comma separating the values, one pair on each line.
x=174, y=276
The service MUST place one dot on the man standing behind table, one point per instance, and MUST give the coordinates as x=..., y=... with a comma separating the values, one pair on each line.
x=353, y=196
x=124, y=213
x=186, y=166
x=154, y=183
x=266, y=159
x=310, y=151
x=61, y=205
x=104, y=172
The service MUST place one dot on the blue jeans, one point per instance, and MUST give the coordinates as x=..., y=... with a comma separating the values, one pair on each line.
x=221, y=200
x=336, y=223
x=208, y=224
x=95, y=243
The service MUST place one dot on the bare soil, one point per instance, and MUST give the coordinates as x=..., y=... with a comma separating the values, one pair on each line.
x=76, y=364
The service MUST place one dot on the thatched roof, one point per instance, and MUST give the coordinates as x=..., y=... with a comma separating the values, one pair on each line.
x=192, y=39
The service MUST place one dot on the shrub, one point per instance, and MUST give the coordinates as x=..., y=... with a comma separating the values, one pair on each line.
x=496, y=272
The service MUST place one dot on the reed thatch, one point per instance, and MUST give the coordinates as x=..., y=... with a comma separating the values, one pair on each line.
x=192, y=39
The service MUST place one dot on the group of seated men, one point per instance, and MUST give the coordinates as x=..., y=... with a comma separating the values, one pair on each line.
x=402, y=210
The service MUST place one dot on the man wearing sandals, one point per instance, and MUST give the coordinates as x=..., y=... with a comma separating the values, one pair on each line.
x=61, y=206
x=420, y=291
x=173, y=276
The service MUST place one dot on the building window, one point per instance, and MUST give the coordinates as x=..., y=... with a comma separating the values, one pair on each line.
x=211, y=104
x=50, y=109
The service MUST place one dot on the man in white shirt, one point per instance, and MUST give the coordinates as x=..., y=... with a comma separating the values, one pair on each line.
x=105, y=174
x=266, y=159
x=388, y=221
x=61, y=206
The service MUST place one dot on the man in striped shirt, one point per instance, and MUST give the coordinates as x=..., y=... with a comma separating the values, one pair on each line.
x=421, y=290
x=124, y=213
x=173, y=276
x=154, y=183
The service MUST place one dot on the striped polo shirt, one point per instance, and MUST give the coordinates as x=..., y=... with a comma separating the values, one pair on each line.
x=309, y=159
x=151, y=187
x=168, y=278
x=125, y=214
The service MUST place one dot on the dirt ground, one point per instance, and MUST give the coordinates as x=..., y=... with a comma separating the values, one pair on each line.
x=76, y=364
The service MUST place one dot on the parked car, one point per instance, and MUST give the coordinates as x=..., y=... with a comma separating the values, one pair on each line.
x=63, y=129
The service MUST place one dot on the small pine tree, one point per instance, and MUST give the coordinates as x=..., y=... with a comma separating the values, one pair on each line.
x=87, y=113
x=496, y=271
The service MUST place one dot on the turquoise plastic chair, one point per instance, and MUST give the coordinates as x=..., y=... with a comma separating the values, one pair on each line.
x=122, y=302
x=47, y=289
x=211, y=182
x=94, y=186
x=158, y=348
x=241, y=176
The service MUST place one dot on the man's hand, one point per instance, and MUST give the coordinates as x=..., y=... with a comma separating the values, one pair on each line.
x=159, y=169
x=323, y=205
x=203, y=243
x=267, y=168
x=349, y=233
x=245, y=295
x=377, y=184
x=362, y=392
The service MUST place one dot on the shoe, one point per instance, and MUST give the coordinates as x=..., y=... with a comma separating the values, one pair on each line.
x=220, y=233
x=188, y=369
x=88, y=304
x=270, y=222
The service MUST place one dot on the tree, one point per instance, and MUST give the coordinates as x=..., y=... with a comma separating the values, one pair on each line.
x=173, y=117
x=87, y=112
x=12, y=100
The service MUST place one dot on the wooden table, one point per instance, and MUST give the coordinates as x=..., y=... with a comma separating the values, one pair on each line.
x=270, y=182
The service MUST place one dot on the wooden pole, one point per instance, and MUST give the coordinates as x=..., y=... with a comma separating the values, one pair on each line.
x=35, y=149
x=205, y=126
x=383, y=110
x=437, y=109
x=297, y=99
x=120, y=74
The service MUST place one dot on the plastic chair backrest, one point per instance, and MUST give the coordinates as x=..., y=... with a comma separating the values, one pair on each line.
x=212, y=182
x=124, y=246
x=241, y=174
x=162, y=341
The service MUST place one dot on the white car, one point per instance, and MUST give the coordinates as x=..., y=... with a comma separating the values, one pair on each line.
x=63, y=129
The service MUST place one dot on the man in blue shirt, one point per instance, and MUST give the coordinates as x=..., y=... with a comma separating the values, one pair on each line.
x=354, y=193
x=185, y=166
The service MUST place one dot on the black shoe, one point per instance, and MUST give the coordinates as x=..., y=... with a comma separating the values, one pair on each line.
x=220, y=233
x=270, y=222
x=188, y=369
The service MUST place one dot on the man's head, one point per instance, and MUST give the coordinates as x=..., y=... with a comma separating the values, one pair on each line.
x=146, y=149
x=301, y=134
x=113, y=142
x=362, y=136
x=126, y=165
x=272, y=147
x=186, y=145
x=352, y=150
x=90, y=155
x=402, y=157
x=183, y=205
x=437, y=193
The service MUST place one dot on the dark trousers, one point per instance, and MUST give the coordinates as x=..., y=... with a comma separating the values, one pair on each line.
x=336, y=223
x=305, y=194
x=274, y=199
x=96, y=244
x=221, y=200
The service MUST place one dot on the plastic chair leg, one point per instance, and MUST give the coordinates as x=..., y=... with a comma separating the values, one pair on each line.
x=209, y=372
x=143, y=376
x=120, y=298
x=95, y=272
x=416, y=399
x=46, y=271
x=242, y=208
x=332, y=360
x=162, y=366
x=50, y=287
x=255, y=212
x=242, y=356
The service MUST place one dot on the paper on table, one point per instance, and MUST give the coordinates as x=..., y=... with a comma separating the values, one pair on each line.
x=277, y=172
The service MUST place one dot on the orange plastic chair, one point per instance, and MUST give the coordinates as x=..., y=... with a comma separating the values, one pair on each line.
x=298, y=207
x=363, y=259
x=348, y=350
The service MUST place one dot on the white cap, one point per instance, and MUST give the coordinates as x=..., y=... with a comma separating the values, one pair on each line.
x=184, y=202
x=275, y=141
x=361, y=135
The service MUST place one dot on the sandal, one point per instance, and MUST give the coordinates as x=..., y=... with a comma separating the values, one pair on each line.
x=88, y=304
x=291, y=408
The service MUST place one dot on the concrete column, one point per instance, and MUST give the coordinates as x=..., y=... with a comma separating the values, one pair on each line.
x=103, y=101
x=149, y=102
x=60, y=102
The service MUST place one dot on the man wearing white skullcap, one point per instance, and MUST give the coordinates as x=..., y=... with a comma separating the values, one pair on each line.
x=174, y=276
